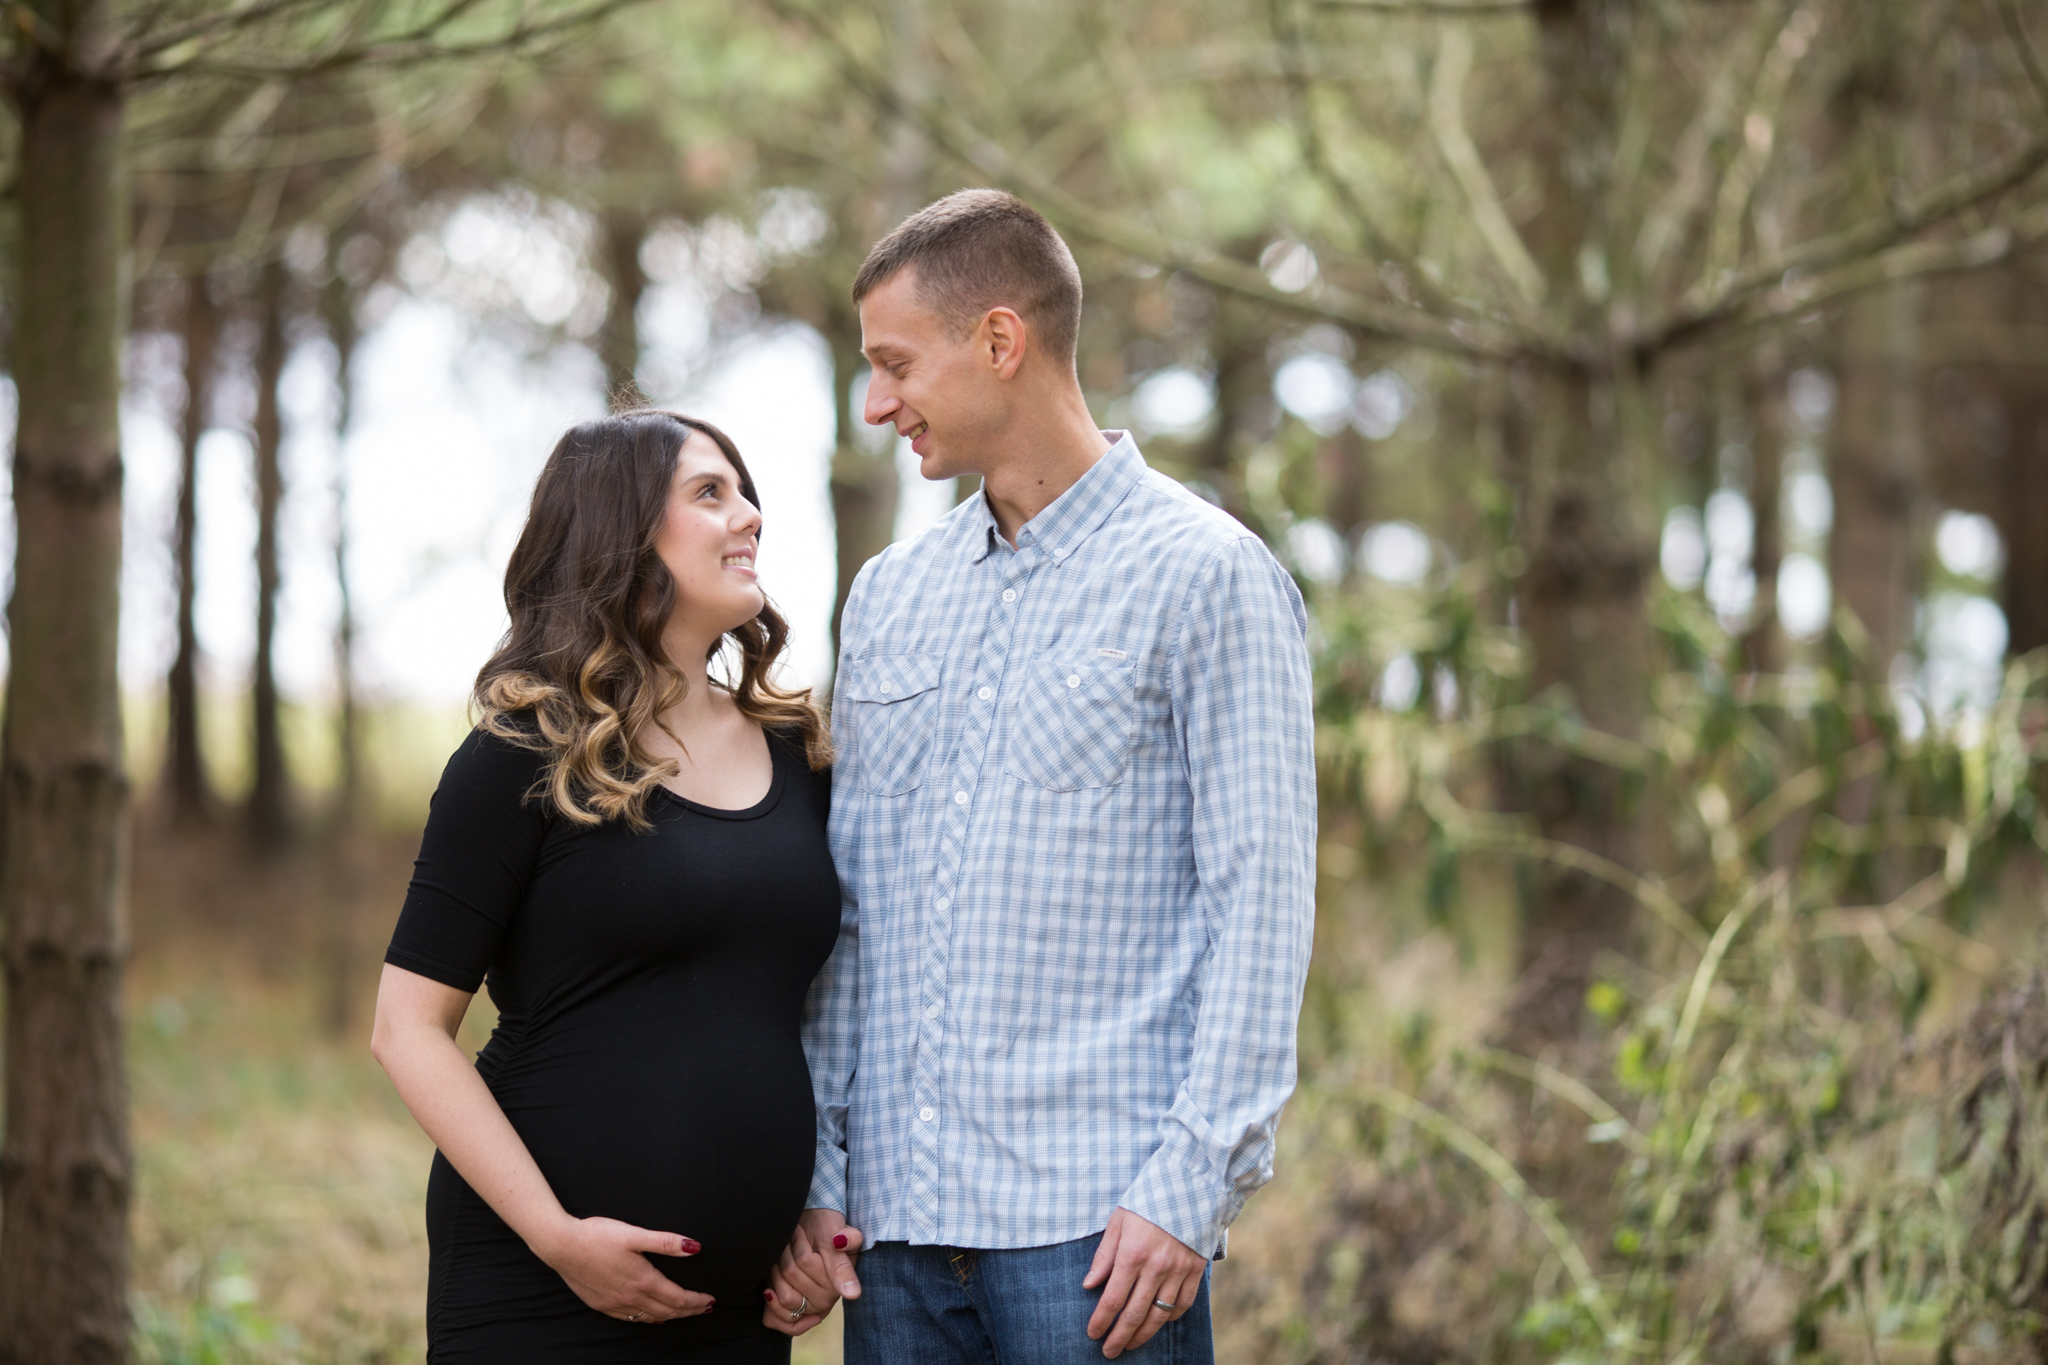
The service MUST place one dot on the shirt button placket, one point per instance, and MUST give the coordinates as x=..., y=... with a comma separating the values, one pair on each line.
x=976, y=730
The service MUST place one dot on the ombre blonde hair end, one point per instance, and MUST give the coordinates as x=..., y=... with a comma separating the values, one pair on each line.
x=581, y=675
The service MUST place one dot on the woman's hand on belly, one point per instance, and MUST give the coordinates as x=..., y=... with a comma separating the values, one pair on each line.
x=605, y=1262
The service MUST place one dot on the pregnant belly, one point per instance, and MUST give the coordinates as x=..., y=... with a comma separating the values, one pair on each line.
x=715, y=1146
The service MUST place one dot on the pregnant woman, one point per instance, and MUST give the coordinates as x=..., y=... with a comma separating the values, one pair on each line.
x=632, y=854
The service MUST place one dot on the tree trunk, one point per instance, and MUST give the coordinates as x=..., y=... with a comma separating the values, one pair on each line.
x=1877, y=470
x=618, y=340
x=1763, y=644
x=337, y=306
x=864, y=488
x=269, y=818
x=2023, y=510
x=1591, y=541
x=184, y=760
x=66, y=1169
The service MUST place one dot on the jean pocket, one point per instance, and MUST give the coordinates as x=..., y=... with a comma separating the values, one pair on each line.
x=1074, y=723
x=892, y=712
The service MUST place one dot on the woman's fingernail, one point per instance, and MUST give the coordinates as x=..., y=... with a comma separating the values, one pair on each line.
x=839, y=1241
x=768, y=1294
x=691, y=1246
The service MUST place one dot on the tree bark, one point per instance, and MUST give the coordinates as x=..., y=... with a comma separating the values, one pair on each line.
x=1877, y=470
x=618, y=340
x=268, y=816
x=1591, y=542
x=66, y=1168
x=1763, y=643
x=184, y=760
x=864, y=487
x=2023, y=509
x=337, y=307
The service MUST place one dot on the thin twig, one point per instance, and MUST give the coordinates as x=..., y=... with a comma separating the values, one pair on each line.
x=1315, y=153
x=1477, y=340
x=1447, y=121
x=1441, y=9
x=2029, y=62
x=1730, y=302
x=1568, y=1088
x=1480, y=1153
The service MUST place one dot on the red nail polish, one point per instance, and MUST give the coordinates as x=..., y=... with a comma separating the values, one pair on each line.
x=839, y=1241
x=691, y=1246
x=768, y=1294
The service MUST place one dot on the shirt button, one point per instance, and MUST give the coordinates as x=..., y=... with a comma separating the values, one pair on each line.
x=927, y=1113
x=888, y=687
x=1009, y=594
x=933, y=1010
x=1073, y=679
x=986, y=693
x=959, y=798
x=942, y=903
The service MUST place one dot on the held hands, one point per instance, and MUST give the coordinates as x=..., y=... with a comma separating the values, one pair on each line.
x=605, y=1262
x=1141, y=1266
x=814, y=1272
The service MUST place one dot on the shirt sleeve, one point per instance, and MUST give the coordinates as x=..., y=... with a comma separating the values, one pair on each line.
x=1244, y=716
x=831, y=1022
x=477, y=856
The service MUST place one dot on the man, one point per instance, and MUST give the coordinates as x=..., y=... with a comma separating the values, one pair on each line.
x=1074, y=820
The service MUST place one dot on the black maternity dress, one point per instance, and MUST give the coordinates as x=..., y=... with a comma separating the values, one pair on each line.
x=648, y=990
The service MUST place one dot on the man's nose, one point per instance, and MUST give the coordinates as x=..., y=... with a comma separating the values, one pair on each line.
x=879, y=406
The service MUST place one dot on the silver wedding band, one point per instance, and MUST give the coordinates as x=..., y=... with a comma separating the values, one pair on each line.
x=635, y=1317
x=1163, y=1306
x=803, y=1306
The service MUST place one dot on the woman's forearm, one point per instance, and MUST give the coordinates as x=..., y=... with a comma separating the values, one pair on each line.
x=450, y=1101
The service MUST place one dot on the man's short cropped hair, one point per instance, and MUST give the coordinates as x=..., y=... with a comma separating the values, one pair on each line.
x=980, y=249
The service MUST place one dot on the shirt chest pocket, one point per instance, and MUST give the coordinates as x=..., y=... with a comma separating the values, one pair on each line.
x=892, y=710
x=1074, y=723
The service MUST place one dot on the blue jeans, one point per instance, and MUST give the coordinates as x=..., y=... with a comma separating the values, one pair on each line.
x=926, y=1305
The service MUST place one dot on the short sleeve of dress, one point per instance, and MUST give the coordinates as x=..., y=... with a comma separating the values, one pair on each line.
x=483, y=835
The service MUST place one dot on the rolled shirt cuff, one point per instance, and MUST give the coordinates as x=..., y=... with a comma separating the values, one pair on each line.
x=828, y=1179
x=1188, y=1203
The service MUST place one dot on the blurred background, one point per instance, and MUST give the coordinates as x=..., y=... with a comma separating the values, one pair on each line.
x=1650, y=397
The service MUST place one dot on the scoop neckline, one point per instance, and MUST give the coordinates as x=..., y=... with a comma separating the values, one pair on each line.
x=753, y=812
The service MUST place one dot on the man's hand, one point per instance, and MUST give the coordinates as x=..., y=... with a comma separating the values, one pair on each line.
x=1137, y=1263
x=814, y=1272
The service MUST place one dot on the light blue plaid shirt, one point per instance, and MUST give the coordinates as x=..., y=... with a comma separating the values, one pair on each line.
x=1074, y=818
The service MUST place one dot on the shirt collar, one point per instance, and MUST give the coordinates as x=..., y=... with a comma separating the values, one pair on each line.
x=1059, y=529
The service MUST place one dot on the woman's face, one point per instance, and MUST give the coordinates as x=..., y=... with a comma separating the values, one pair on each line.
x=708, y=539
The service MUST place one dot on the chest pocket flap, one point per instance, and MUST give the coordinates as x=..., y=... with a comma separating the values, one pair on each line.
x=892, y=714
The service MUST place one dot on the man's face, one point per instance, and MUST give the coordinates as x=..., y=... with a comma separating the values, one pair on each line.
x=934, y=386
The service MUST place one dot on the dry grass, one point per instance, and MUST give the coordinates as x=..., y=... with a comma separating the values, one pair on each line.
x=279, y=1213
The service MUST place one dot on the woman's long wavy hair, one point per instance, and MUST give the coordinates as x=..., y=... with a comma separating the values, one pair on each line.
x=581, y=676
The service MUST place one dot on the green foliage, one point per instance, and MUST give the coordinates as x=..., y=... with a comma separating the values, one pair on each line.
x=220, y=1326
x=1764, y=1143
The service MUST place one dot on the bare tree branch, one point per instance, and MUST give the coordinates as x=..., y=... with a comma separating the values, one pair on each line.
x=1447, y=121
x=1315, y=153
x=422, y=44
x=1759, y=137
x=2029, y=62
x=1706, y=310
x=1478, y=340
x=146, y=41
x=1804, y=294
x=1453, y=9
x=1671, y=217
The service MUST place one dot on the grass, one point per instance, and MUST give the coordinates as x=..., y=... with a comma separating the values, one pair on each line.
x=280, y=1184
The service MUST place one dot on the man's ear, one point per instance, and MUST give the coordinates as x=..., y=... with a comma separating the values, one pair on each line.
x=1004, y=339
